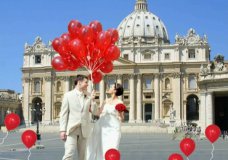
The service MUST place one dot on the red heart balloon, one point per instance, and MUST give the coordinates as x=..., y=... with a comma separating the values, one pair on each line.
x=187, y=146
x=212, y=133
x=112, y=154
x=29, y=138
x=12, y=121
x=175, y=156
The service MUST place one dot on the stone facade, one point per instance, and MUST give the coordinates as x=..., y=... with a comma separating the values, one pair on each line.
x=161, y=80
x=10, y=102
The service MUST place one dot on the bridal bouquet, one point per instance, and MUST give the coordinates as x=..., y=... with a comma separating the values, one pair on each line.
x=121, y=107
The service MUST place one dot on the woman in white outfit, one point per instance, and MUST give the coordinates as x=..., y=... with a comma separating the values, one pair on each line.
x=107, y=130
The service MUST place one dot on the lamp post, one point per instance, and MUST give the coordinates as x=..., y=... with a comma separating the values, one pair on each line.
x=38, y=112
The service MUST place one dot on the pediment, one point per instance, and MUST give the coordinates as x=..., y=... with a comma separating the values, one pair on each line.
x=122, y=61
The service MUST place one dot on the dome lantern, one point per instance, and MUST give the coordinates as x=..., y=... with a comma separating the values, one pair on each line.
x=141, y=5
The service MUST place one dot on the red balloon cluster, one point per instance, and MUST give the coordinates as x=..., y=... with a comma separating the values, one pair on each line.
x=212, y=133
x=12, y=121
x=112, y=154
x=86, y=46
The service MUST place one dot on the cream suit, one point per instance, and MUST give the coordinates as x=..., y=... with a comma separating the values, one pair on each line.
x=75, y=121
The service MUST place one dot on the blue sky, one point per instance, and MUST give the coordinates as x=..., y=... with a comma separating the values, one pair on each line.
x=21, y=21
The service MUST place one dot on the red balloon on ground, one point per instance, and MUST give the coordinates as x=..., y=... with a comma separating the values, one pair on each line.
x=175, y=156
x=29, y=138
x=112, y=154
x=187, y=146
x=212, y=133
x=12, y=121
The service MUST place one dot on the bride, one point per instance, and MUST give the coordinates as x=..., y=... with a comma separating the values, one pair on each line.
x=106, y=133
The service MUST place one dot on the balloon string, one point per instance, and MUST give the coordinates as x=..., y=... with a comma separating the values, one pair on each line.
x=29, y=154
x=213, y=148
x=98, y=65
x=3, y=139
x=187, y=158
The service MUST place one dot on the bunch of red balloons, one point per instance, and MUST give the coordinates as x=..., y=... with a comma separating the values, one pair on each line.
x=86, y=46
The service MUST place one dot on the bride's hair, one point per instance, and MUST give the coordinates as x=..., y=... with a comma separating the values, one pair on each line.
x=119, y=89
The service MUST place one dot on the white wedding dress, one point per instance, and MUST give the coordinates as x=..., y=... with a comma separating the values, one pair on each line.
x=106, y=134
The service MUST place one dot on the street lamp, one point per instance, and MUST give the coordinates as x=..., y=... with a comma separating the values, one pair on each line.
x=38, y=112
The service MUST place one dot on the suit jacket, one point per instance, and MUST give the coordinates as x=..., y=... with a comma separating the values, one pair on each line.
x=73, y=114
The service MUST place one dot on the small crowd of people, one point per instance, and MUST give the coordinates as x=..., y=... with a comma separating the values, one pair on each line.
x=225, y=135
x=190, y=130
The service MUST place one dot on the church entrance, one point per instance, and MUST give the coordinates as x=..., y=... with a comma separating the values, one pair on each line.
x=148, y=112
x=221, y=111
x=36, y=110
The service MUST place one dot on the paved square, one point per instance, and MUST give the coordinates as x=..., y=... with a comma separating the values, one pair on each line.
x=132, y=147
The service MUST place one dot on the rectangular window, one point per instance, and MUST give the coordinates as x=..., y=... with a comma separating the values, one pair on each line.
x=147, y=56
x=111, y=82
x=148, y=96
x=96, y=87
x=125, y=97
x=37, y=59
x=191, y=54
x=167, y=56
x=147, y=83
x=125, y=84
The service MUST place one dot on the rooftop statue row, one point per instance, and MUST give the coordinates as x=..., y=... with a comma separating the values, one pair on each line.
x=191, y=38
x=214, y=66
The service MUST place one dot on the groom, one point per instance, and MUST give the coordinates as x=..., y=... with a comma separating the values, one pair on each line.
x=75, y=118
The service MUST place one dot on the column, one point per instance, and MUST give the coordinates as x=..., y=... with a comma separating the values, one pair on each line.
x=139, y=98
x=102, y=91
x=184, y=111
x=177, y=95
x=48, y=101
x=132, y=99
x=67, y=84
x=209, y=109
x=119, y=80
x=157, y=96
x=202, y=110
x=26, y=109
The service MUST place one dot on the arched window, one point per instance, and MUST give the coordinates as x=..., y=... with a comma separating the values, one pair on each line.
x=167, y=84
x=192, y=108
x=58, y=86
x=192, y=82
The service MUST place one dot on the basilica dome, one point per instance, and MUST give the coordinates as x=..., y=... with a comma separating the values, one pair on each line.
x=144, y=25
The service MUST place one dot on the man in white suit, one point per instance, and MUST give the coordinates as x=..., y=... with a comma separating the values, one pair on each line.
x=75, y=116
